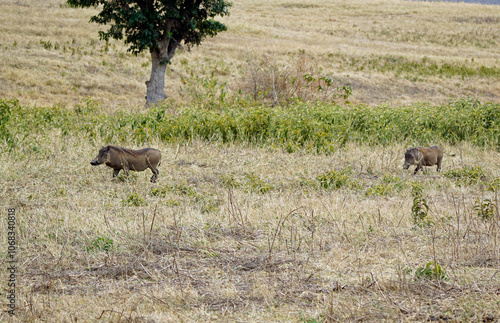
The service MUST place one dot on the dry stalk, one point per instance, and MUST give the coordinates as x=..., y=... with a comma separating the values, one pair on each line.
x=277, y=231
x=234, y=210
x=152, y=222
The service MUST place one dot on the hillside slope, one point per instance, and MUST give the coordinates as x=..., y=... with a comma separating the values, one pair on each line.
x=51, y=53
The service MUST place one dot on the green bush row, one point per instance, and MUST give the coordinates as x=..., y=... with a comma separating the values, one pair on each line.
x=316, y=126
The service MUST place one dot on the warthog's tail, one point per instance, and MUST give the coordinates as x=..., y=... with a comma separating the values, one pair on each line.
x=451, y=155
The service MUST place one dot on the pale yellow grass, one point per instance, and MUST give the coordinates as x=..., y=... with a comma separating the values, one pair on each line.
x=330, y=33
x=206, y=250
x=206, y=253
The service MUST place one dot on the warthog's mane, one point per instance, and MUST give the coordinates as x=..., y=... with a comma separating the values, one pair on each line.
x=126, y=150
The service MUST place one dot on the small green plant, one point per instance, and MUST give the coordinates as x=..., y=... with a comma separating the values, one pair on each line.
x=431, y=270
x=419, y=209
x=100, y=244
x=466, y=176
x=494, y=184
x=229, y=181
x=183, y=189
x=172, y=202
x=486, y=209
x=335, y=179
x=180, y=188
x=46, y=44
x=158, y=192
x=382, y=189
x=134, y=200
x=256, y=184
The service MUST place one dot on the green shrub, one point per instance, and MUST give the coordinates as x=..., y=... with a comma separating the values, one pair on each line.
x=335, y=179
x=256, y=184
x=431, y=271
x=419, y=209
x=381, y=189
x=486, y=209
x=494, y=184
x=134, y=200
x=172, y=202
x=100, y=244
x=179, y=188
x=229, y=181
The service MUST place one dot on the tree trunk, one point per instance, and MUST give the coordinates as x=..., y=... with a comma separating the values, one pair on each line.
x=160, y=58
x=156, y=84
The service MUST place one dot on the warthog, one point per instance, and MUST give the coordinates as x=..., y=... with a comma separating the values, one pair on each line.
x=422, y=156
x=120, y=158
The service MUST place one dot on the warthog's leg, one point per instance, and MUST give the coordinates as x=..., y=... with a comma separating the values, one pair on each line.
x=116, y=172
x=439, y=164
x=155, y=174
x=419, y=166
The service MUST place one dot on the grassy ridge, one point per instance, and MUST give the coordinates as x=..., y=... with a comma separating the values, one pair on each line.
x=319, y=127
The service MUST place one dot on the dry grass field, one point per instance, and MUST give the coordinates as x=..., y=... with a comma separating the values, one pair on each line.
x=255, y=229
x=250, y=241
x=396, y=52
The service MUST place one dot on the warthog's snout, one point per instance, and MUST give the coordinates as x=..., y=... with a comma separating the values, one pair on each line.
x=406, y=166
x=94, y=163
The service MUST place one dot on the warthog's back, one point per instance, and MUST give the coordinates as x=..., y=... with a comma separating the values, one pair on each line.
x=431, y=156
x=138, y=160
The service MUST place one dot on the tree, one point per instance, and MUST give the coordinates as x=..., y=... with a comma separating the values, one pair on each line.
x=158, y=26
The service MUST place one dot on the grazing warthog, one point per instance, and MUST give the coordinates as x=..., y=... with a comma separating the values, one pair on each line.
x=120, y=158
x=422, y=156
